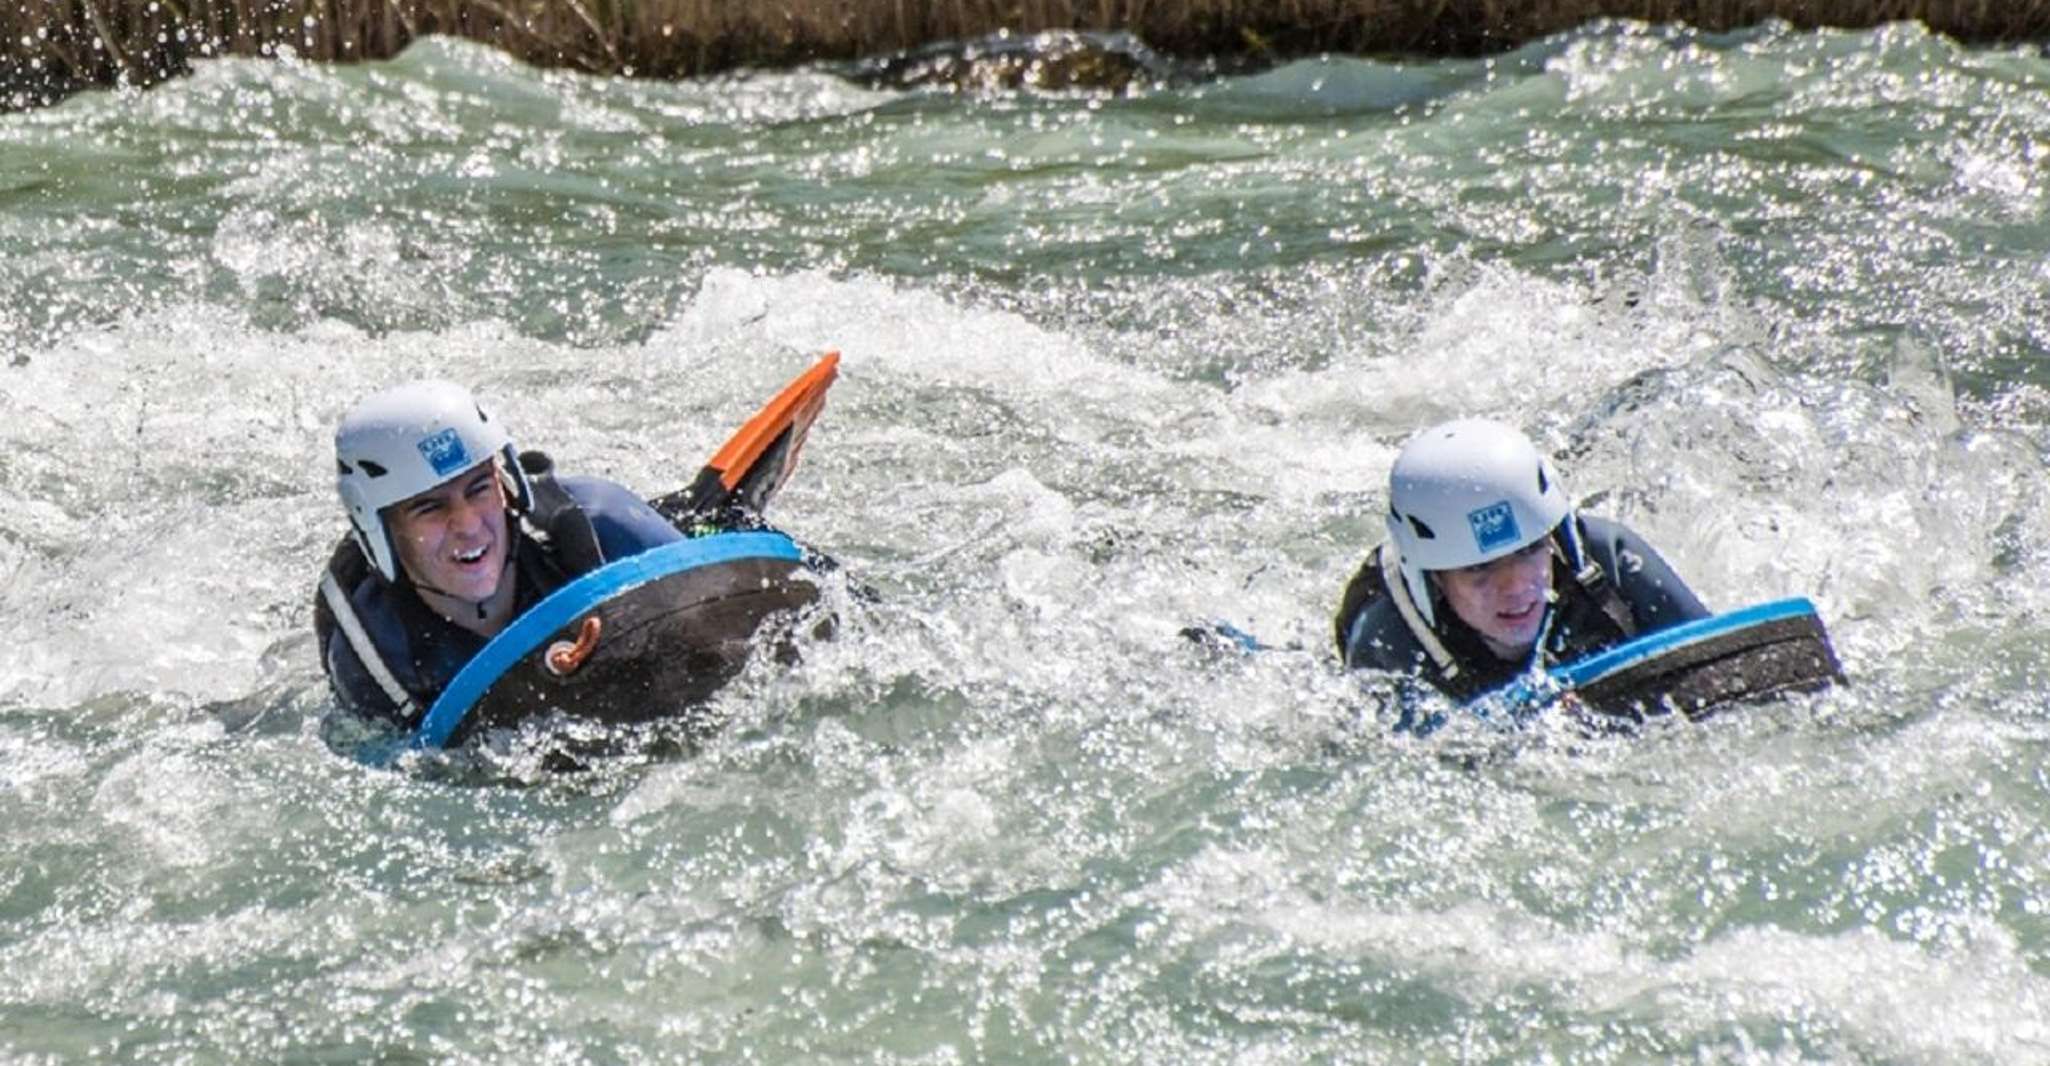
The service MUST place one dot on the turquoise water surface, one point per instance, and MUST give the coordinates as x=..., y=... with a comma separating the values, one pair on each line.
x=1112, y=365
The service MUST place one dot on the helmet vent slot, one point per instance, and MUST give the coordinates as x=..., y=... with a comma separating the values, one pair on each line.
x=1423, y=531
x=372, y=469
x=1544, y=483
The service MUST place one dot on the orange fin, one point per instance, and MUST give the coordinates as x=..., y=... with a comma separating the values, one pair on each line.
x=756, y=460
x=794, y=409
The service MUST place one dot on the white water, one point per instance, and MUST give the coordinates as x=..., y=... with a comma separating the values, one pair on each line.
x=1009, y=814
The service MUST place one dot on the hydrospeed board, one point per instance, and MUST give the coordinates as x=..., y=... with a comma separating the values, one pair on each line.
x=1694, y=668
x=644, y=637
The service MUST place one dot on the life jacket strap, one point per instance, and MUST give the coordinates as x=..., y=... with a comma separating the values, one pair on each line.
x=1594, y=581
x=1405, y=605
x=366, y=652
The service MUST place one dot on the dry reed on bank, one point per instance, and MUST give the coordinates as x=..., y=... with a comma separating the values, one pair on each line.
x=49, y=48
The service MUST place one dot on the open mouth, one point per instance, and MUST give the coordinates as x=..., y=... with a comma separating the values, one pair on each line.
x=472, y=556
x=1519, y=617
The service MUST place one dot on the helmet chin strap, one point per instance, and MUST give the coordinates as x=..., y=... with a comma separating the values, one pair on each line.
x=1536, y=666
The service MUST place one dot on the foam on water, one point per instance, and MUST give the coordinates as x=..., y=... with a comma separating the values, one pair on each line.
x=977, y=738
x=1008, y=813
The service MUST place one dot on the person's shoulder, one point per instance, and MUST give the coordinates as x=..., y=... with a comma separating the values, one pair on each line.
x=624, y=523
x=1614, y=544
x=590, y=488
x=1655, y=591
x=1601, y=530
x=371, y=593
x=603, y=499
x=1379, y=639
x=1612, y=534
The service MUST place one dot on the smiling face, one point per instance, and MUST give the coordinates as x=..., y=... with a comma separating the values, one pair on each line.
x=1503, y=599
x=452, y=538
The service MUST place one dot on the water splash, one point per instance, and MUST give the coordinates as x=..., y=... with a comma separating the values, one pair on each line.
x=1113, y=366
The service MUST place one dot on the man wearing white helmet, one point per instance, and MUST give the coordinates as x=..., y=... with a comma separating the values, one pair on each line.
x=452, y=534
x=1487, y=566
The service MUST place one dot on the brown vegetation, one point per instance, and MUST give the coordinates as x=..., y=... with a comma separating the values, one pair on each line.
x=49, y=48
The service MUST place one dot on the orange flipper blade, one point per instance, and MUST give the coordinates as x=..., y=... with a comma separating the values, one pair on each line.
x=754, y=462
x=794, y=408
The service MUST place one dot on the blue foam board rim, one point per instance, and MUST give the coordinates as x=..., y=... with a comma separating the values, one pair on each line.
x=563, y=606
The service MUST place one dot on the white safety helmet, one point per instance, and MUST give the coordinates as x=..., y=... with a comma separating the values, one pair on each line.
x=1465, y=492
x=408, y=439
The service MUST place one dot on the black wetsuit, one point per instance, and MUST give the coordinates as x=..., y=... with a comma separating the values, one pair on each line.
x=422, y=649
x=1639, y=584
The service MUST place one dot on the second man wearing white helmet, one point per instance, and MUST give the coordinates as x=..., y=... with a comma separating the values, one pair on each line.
x=1488, y=566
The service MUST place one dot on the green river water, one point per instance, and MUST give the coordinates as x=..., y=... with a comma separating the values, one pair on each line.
x=1112, y=365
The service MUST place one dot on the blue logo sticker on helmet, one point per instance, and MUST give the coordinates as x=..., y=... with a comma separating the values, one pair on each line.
x=444, y=452
x=1494, y=526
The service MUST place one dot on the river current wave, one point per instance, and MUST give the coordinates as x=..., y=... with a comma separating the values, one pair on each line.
x=1114, y=364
